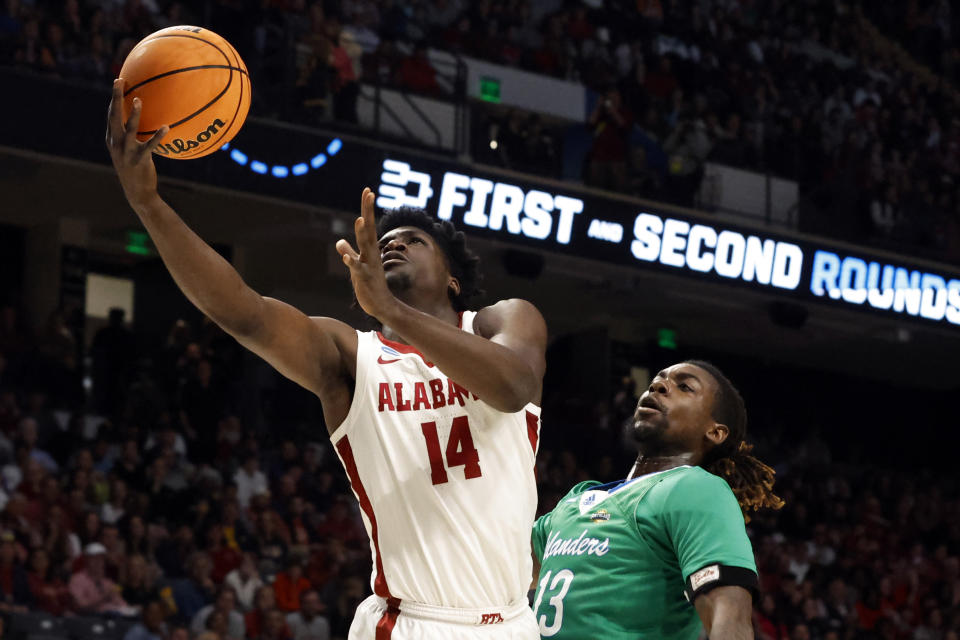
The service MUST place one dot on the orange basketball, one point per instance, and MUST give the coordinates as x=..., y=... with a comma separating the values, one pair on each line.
x=192, y=80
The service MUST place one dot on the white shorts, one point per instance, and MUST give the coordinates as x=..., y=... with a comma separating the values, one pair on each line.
x=374, y=620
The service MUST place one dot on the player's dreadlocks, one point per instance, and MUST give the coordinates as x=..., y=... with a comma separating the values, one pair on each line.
x=464, y=264
x=751, y=480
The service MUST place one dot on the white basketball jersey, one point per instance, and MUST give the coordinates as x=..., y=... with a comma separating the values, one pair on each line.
x=445, y=482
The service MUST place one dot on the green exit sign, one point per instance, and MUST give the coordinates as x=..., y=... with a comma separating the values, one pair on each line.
x=667, y=339
x=138, y=242
x=490, y=89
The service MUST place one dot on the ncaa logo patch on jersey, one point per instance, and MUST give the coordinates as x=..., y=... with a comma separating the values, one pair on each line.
x=601, y=515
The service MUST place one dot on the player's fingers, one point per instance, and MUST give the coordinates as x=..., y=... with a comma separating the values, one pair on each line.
x=368, y=212
x=365, y=227
x=115, y=113
x=155, y=139
x=133, y=123
x=362, y=232
x=350, y=257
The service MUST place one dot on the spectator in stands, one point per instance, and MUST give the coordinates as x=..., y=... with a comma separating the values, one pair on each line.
x=151, y=625
x=344, y=60
x=290, y=584
x=58, y=348
x=256, y=619
x=688, y=147
x=15, y=594
x=308, y=623
x=139, y=581
x=340, y=522
x=224, y=557
x=610, y=121
x=225, y=605
x=135, y=537
x=250, y=480
x=113, y=356
x=113, y=509
x=92, y=590
x=932, y=628
x=217, y=627
x=202, y=401
x=196, y=591
x=28, y=438
x=416, y=73
x=271, y=541
x=346, y=601
x=540, y=156
x=245, y=581
x=509, y=137
x=885, y=212
x=129, y=468
x=49, y=592
x=276, y=627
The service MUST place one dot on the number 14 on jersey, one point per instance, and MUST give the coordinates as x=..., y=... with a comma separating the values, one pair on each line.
x=460, y=451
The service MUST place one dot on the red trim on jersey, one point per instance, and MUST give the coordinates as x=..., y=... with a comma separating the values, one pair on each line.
x=388, y=620
x=533, y=430
x=533, y=434
x=407, y=349
x=346, y=453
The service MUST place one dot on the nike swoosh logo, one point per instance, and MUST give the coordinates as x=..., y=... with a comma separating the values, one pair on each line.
x=382, y=361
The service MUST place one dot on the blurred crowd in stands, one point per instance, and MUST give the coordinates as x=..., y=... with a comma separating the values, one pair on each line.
x=142, y=495
x=153, y=502
x=811, y=90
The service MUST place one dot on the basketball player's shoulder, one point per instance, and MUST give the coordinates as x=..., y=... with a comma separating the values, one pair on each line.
x=333, y=326
x=507, y=313
x=692, y=478
x=342, y=335
x=694, y=484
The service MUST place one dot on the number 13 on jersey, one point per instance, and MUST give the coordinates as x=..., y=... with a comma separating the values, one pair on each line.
x=558, y=587
x=459, y=452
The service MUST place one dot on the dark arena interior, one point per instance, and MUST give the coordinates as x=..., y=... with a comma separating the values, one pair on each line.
x=772, y=186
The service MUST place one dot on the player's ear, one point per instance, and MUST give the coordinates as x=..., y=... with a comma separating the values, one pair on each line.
x=454, y=287
x=717, y=433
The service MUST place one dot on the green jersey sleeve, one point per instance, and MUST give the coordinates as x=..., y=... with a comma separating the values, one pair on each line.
x=539, y=536
x=706, y=527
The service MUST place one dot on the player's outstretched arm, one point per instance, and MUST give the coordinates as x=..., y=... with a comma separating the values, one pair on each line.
x=726, y=613
x=305, y=350
x=503, y=365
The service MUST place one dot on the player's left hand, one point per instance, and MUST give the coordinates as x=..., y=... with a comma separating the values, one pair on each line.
x=366, y=268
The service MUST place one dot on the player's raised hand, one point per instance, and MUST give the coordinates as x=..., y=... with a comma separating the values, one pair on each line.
x=366, y=267
x=131, y=158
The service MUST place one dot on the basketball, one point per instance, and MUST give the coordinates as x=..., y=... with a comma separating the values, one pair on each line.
x=192, y=80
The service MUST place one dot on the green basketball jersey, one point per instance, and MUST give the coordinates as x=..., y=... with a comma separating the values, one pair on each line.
x=616, y=565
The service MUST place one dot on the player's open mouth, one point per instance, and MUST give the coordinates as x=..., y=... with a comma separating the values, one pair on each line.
x=392, y=257
x=647, y=403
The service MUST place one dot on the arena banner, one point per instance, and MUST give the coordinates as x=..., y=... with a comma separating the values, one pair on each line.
x=617, y=231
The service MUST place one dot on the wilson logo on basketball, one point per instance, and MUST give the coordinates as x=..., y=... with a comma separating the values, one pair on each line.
x=179, y=145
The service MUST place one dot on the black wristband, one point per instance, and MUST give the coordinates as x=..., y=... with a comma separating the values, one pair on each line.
x=719, y=575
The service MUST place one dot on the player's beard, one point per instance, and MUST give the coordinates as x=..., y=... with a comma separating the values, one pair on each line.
x=399, y=282
x=647, y=433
